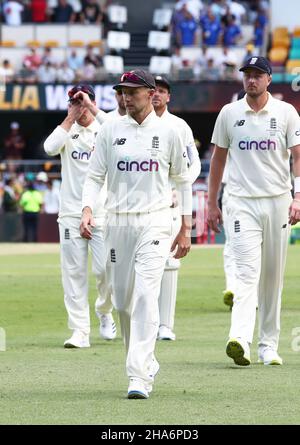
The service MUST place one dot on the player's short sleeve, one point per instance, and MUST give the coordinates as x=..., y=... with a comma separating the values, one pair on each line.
x=293, y=128
x=220, y=135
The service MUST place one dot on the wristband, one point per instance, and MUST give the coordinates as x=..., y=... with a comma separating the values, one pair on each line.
x=297, y=184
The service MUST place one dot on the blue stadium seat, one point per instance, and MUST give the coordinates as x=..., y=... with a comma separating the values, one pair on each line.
x=295, y=42
x=277, y=77
x=294, y=53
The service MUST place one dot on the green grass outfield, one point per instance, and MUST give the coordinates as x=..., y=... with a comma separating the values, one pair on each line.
x=41, y=383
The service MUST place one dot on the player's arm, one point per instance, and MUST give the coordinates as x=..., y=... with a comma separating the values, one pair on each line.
x=293, y=143
x=93, y=184
x=217, y=164
x=193, y=155
x=86, y=102
x=294, y=210
x=180, y=174
x=56, y=141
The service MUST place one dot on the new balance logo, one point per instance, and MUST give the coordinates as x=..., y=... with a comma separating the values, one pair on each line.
x=119, y=141
x=67, y=233
x=239, y=123
x=75, y=136
x=155, y=242
x=112, y=255
x=237, y=226
x=284, y=226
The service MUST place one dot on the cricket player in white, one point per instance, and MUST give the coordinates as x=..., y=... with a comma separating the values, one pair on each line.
x=120, y=110
x=168, y=292
x=74, y=140
x=139, y=154
x=258, y=132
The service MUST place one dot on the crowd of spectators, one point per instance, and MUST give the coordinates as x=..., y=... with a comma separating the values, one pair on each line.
x=194, y=24
x=217, y=22
x=16, y=12
x=41, y=65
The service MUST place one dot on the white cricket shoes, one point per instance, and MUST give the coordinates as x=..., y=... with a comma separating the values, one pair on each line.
x=239, y=351
x=137, y=389
x=268, y=356
x=165, y=333
x=78, y=340
x=107, y=329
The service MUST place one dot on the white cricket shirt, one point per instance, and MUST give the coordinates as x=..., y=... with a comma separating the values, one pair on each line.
x=76, y=149
x=258, y=143
x=187, y=137
x=139, y=160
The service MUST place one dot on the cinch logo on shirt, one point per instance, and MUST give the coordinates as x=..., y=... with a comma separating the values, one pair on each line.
x=257, y=145
x=135, y=166
x=84, y=156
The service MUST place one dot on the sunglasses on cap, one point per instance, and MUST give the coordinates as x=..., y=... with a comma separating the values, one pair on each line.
x=135, y=78
x=84, y=88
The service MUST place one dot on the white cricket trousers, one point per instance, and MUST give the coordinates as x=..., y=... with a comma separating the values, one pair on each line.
x=168, y=291
x=229, y=265
x=259, y=233
x=138, y=246
x=74, y=266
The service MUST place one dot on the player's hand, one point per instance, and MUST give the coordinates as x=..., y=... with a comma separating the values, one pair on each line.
x=214, y=218
x=183, y=243
x=75, y=110
x=83, y=99
x=294, y=212
x=87, y=223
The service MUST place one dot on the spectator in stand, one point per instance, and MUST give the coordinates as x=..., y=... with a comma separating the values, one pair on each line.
x=177, y=62
x=26, y=75
x=14, y=143
x=218, y=8
x=63, y=13
x=193, y=6
x=48, y=56
x=232, y=32
x=211, y=71
x=200, y=64
x=259, y=28
x=12, y=12
x=92, y=58
x=91, y=12
x=47, y=73
x=75, y=62
x=32, y=60
x=177, y=17
x=65, y=74
x=87, y=72
x=6, y=71
x=187, y=29
x=256, y=6
x=238, y=10
x=39, y=11
x=211, y=29
x=10, y=197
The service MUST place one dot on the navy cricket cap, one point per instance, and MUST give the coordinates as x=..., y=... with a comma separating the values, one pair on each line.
x=160, y=80
x=85, y=88
x=136, y=78
x=259, y=63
